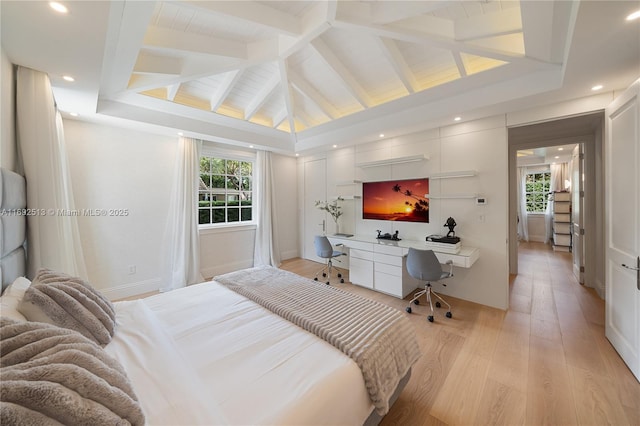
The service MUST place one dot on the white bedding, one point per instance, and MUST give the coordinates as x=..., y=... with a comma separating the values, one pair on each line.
x=206, y=355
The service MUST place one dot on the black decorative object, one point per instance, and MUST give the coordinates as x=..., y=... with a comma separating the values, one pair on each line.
x=387, y=236
x=450, y=223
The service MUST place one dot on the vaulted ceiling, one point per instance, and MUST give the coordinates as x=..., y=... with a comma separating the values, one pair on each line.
x=292, y=75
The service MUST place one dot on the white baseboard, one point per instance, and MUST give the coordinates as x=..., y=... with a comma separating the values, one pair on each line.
x=536, y=238
x=131, y=289
x=212, y=271
x=599, y=288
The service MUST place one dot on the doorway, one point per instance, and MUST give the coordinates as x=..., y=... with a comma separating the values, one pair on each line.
x=586, y=130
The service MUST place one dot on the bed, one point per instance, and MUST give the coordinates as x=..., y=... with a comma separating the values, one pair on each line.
x=211, y=354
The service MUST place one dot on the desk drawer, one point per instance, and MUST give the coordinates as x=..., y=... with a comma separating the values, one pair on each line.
x=388, y=259
x=388, y=269
x=387, y=283
x=359, y=245
x=387, y=249
x=361, y=272
x=361, y=254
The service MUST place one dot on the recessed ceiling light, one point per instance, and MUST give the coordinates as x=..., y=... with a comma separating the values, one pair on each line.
x=457, y=119
x=382, y=135
x=561, y=149
x=180, y=133
x=596, y=87
x=250, y=146
x=335, y=146
x=68, y=78
x=58, y=7
x=73, y=114
x=556, y=157
x=633, y=16
x=297, y=155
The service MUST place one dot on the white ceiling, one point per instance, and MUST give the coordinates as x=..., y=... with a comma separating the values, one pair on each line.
x=249, y=72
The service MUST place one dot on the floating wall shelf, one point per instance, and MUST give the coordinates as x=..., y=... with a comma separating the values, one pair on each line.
x=347, y=197
x=454, y=174
x=348, y=182
x=390, y=161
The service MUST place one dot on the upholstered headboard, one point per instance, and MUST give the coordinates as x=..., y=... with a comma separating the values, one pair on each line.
x=13, y=226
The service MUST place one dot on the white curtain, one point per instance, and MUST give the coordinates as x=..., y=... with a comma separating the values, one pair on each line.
x=523, y=226
x=559, y=174
x=53, y=237
x=266, y=250
x=182, y=240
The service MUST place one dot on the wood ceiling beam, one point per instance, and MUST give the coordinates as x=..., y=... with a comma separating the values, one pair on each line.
x=148, y=63
x=172, y=91
x=349, y=81
x=288, y=99
x=279, y=117
x=460, y=64
x=396, y=60
x=173, y=40
x=251, y=12
x=227, y=84
x=262, y=96
x=387, y=12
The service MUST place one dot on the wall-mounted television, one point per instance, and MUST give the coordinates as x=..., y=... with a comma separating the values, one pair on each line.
x=399, y=200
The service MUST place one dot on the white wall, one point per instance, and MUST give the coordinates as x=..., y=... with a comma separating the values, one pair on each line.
x=481, y=146
x=8, y=147
x=114, y=167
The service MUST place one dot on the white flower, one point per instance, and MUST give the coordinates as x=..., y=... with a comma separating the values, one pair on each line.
x=331, y=207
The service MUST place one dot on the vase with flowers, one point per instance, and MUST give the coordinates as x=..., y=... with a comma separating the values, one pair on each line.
x=333, y=208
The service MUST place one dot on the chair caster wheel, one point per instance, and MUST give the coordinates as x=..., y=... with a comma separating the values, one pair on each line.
x=315, y=279
x=408, y=309
x=416, y=302
x=438, y=304
x=328, y=282
x=430, y=318
x=339, y=275
x=324, y=274
x=448, y=315
x=342, y=281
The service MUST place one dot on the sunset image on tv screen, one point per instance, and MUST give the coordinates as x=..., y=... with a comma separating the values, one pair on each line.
x=400, y=200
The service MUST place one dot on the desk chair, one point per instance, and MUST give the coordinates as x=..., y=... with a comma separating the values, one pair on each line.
x=423, y=265
x=325, y=250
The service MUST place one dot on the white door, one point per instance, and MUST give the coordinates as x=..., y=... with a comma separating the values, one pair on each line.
x=577, y=202
x=315, y=189
x=622, y=200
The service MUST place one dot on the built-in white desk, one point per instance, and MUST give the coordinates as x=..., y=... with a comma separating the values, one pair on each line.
x=379, y=264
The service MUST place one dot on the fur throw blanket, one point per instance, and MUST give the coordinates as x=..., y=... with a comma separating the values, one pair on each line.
x=69, y=302
x=51, y=375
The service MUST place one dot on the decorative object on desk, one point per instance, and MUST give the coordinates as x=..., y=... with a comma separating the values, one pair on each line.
x=333, y=208
x=396, y=200
x=387, y=236
x=443, y=239
x=450, y=223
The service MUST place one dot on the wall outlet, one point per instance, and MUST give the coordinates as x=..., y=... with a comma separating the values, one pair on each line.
x=132, y=269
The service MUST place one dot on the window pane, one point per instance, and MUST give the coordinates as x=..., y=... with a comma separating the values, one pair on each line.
x=233, y=167
x=217, y=166
x=218, y=216
x=205, y=182
x=233, y=200
x=246, y=214
x=219, y=199
x=217, y=182
x=233, y=215
x=528, y=187
x=204, y=216
x=246, y=168
x=246, y=183
x=233, y=183
x=205, y=165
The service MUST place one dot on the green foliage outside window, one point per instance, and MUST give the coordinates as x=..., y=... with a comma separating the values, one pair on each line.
x=537, y=186
x=225, y=192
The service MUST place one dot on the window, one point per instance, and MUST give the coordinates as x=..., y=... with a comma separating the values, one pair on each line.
x=537, y=191
x=225, y=193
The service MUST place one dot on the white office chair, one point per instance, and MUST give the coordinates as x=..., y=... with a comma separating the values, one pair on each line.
x=423, y=265
x=325, y=250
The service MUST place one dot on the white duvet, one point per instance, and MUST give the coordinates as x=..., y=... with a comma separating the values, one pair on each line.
x=206, y=355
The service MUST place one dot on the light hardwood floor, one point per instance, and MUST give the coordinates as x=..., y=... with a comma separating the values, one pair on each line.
x=545, y=361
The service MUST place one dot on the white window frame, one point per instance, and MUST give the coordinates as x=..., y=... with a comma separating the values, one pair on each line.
x=545, y=194
x=211, y=150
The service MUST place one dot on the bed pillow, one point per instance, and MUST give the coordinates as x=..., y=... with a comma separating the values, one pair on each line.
x=52, y=375
x=69, y=302
x=12, y=296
